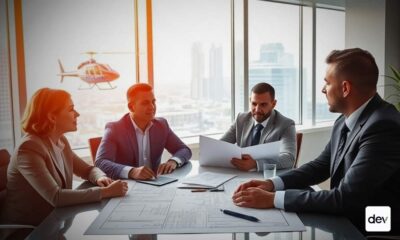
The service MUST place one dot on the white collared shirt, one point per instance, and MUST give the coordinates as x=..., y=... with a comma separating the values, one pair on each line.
x=143, y=140
x=353, y=118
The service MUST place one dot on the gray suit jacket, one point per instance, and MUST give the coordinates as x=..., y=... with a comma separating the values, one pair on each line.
x=35, y=184
x=119, y=148
x=367, y=173
x=278, y=128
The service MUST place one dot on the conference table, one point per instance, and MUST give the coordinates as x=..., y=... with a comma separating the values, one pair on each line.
x=72, y=222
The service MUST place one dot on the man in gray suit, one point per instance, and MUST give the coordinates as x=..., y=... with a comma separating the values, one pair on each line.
x=262, y=124
x=132, y=147
x=362, y=159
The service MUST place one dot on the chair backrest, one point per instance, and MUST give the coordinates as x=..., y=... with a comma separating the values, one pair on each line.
x=93, y=146
x=4, y=161
x=299, y=139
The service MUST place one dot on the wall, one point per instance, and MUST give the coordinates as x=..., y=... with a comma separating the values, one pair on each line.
x=374, y=25
x=365, y=28
x=392, y=42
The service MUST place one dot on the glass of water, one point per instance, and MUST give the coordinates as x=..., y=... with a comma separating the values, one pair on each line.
x=269, y=170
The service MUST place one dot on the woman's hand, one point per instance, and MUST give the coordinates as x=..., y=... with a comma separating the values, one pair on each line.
x=116, y=188
x=104, y=181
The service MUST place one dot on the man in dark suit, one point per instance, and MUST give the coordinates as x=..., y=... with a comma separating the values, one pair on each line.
x=262, y=124
x=362, y=158
x=132, y=147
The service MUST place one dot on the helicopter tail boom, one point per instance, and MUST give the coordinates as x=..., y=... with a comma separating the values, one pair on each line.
x=65, y=74
x=61, y=70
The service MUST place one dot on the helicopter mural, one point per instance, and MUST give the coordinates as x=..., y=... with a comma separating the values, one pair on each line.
x=92, y=72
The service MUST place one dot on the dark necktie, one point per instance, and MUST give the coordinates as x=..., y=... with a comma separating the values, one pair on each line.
x=256, y=134
x=342, y=141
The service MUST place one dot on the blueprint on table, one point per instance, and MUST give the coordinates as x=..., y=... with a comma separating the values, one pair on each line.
x=149, y=209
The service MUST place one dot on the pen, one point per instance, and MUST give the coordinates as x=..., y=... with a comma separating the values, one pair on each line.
x=199, y=190
x=217, y=189
x=240, y=215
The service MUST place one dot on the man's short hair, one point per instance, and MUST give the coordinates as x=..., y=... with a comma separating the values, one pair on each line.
x=263, y=87
x=135, y=89
x=357, y=65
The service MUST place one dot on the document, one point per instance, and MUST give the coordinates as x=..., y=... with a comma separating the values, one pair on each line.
x=205, y=180
x=216, y=153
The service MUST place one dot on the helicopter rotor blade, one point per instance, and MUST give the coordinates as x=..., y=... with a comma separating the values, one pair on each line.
x=90, y=53
x=117, y=52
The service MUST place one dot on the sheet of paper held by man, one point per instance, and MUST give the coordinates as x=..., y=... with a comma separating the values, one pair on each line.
x=148, y=209
x=216, y=153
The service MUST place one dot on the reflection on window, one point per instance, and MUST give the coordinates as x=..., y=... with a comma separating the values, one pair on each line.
x=328, y=39
x=274, y=52
x=192, y=64
x=70, y=31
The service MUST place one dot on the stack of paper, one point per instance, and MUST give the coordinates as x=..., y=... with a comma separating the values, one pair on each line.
x=206, y=180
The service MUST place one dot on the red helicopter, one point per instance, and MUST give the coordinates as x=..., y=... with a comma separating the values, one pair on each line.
x=92, y=72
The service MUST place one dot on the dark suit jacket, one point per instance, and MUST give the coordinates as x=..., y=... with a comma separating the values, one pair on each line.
x=366, y=174
x=119, y=148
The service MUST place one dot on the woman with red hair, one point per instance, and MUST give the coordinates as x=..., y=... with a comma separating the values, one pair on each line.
x=41, y=169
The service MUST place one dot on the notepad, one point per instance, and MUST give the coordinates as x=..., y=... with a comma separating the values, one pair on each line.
x=159, y=181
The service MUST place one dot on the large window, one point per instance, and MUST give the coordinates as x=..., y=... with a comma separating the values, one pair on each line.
x=195, y=52
x=192, y=64
x=90, y=38
x=6, y=123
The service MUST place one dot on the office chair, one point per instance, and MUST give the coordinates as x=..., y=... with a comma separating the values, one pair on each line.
x=4, y=161
x=299, y=139
x=93, y=146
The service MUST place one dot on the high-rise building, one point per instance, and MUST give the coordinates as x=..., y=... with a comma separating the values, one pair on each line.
x=211, y=87
x=276, y=67
x=215, y=79
x=196, y=88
